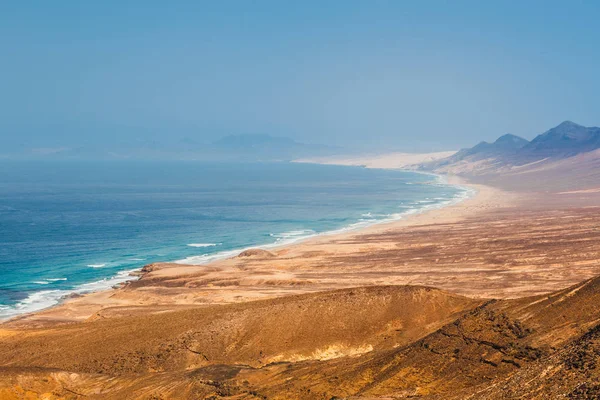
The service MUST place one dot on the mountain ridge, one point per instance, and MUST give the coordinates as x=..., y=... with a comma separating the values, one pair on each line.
x=510, y=152
x=567, y=137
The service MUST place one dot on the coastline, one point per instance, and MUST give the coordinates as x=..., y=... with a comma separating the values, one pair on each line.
x=49, y=299
x=80, y=306
x=469, y=191
x=501, y=267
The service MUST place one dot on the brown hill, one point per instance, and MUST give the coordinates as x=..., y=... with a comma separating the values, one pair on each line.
x=376, y=342
x=250, y=335
x=478, y=351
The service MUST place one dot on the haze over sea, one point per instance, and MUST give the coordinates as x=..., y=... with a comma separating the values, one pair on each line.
x=78, y=226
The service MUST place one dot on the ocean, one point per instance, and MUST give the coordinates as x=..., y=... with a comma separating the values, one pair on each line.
x=74, y=227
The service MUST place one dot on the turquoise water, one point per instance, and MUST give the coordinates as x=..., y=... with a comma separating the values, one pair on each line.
x=70, y=227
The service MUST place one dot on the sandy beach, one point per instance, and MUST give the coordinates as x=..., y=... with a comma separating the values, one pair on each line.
x=301, y=267
x=492, y=284
x=440, y=248
x=396, y=160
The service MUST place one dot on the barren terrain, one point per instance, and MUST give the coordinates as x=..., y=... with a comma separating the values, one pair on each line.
x=495, y=297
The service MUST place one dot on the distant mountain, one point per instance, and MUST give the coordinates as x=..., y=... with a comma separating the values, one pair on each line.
x=509, y=151
x=503, y=145
x=254, y=147
x=266, y=148
x=510, y=142
x=482, y=154
x=254, y=141
x=567, y=138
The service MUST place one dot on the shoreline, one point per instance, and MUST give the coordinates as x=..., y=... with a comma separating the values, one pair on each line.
x=340, y=302
x=469, y=191
x=91, y=302
x=123, y=278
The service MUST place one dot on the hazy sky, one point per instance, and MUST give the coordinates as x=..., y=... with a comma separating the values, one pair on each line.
x=414, y=75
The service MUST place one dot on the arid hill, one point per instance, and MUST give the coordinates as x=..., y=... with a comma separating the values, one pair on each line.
x=250, y=335
x=377, y=342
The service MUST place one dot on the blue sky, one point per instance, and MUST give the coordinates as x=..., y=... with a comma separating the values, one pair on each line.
x=408, y=75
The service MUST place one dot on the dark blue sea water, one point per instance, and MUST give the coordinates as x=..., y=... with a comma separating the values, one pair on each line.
x=81, y=226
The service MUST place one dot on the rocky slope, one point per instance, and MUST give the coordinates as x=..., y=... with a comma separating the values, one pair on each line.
x=380, y=342
x=211, y=342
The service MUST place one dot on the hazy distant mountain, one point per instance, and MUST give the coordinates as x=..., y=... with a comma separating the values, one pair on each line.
x=265, y=148
x=567, y=138
x=504, y=144
x=510, y=142
x=256, y=147
x=509, y=152
x=255, y=142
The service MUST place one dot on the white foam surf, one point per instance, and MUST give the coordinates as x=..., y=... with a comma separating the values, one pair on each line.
x=281, y=239
x=96, y=265
x=38, y=301
x=204, y=244
x=48, y=281
x=291, y=235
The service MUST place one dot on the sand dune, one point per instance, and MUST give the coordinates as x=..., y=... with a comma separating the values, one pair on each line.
x=385, y=160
